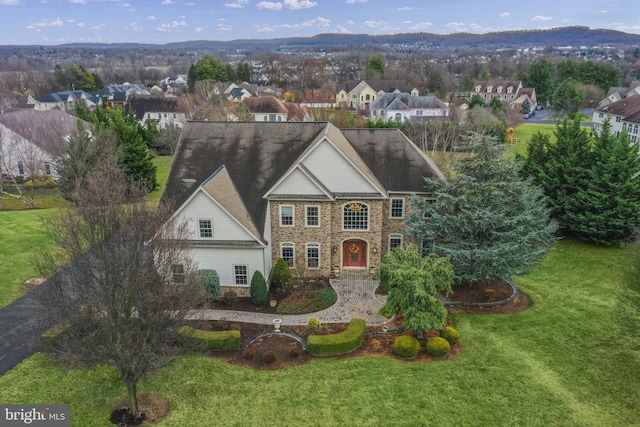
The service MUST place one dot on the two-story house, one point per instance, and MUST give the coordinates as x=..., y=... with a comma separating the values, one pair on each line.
x=624, y=115
x=510, y=92
x=321, y=198
x=32, y=140
x=406, y=106
x=273, y=109
x=360, y=94
x=161, y=109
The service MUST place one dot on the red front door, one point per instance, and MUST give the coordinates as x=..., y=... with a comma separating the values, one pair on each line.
x=354, y=253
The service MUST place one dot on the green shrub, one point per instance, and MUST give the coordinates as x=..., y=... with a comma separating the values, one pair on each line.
x=259, y=292
x=314, y=324
x=450, y=334
x=344, y=342
x=45, y=181
x=438, y=346
x=406, y=346
x=211, y=282
x=209, y=340
x=281, y=275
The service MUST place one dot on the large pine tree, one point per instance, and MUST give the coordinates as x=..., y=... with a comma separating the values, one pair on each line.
x=592, y=185
x=490, y=222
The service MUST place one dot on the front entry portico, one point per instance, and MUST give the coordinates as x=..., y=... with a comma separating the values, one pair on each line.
x=354, y=254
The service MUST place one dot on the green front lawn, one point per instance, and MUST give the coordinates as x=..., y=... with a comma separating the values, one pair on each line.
x=565, y=361
x=21, y=234
x=525, y=131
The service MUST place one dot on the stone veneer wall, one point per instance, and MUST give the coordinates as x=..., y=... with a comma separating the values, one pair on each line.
x=330, y=234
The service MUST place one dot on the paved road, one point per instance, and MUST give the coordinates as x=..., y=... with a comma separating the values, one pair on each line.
x=542, y=114
x=20, y=328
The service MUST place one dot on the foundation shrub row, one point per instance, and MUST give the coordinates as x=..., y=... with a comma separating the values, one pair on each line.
x=344, y=342
x=209, y=340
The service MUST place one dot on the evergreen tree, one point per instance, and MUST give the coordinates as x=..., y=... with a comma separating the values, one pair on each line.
x=476, y=100
x=561, y=169
x=540, y=76
x=244, y=72
x=609, y=206
x=134, y=140
x=491, y=223
x=259, y=292
x=568, y=97
x=414, y=283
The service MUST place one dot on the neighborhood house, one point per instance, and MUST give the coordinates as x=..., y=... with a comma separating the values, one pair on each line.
x=321, y=198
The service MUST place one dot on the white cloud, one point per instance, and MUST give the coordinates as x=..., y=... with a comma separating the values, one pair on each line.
x=151, y=18
x=170, y=26
x=199, y=30
x=505, y=14
x=319, y=22
x=189, y=4
x=356, y=1
x=420, y=26
x=457, y=26
x=296, y=4
x=44, y=24
x=89, y=1
x=224, y=28
x=374, y=24
x=134, y=26
x=81, y=24
x=541, y=18
x=98, y=27
x=403, y=9
x=269, y=5
x=349, y=22
x=237, y=4
x=10, y=2
x=166, y=2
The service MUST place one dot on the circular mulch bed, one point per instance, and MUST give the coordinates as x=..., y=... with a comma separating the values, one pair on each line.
x=486, y=297
x=152, y=408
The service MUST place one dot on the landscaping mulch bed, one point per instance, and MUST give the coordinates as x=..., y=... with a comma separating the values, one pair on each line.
x=493, y=291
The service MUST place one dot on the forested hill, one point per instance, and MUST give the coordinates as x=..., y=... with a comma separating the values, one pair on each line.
x=558, y=37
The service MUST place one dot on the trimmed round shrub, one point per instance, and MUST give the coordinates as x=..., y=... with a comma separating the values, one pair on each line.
x=269, y=357
x=281, y=275
x=259, y=292
x=406, y=346
x=294, y=352
x=211, y=282
x=438, y=346
x=249, y=353
x=314, y=324
x=450, y=334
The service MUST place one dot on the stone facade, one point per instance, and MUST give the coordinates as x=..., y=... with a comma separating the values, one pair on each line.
x=330, y=234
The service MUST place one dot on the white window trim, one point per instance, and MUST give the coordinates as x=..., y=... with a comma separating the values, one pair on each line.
x=396, y=235
x=235, y=276
x=307, y=255
x=391, y=208
x=293, y=216
x=200, y=228
x=293, y=253
x=368, y=217
x=306, y=217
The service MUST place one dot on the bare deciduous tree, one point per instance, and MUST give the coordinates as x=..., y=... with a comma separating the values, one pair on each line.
x=128, y=282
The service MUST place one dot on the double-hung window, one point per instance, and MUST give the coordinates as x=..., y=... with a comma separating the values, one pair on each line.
x=286, y=216
x=313, y=216
x=313, y=255
x=397, y=208
x=240, y=275
x=395, y=241
x=287, y=253
x=206, y=229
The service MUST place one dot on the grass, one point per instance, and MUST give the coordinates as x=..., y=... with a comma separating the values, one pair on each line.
x=43, y=199
x=21, y=234
x=163, y=163
x=524, y=132
x=307, y=302
x=565, y=361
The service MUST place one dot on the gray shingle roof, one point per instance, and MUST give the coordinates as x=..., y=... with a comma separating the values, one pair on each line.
x=255, y=155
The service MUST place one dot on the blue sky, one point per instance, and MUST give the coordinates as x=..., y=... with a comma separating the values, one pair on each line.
x=51, y=22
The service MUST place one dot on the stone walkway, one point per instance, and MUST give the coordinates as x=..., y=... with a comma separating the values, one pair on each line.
x=356, y=298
